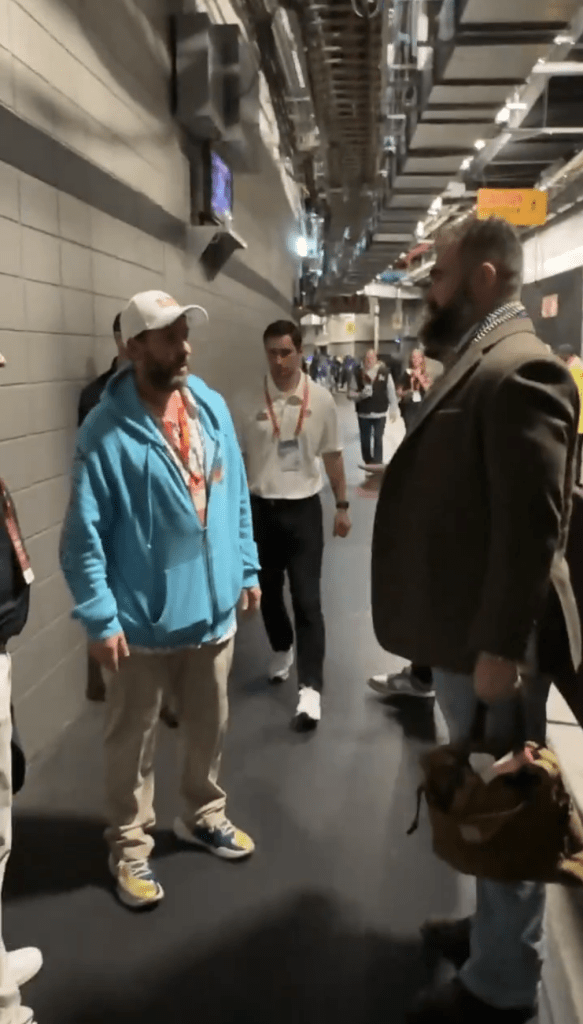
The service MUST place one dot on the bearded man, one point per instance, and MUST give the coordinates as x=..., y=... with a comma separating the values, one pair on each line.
x=158, y=552
x=469, y=540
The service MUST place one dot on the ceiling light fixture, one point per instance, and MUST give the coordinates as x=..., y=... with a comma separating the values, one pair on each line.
x=517, y=106
x=479, y=144
x=503, y=116
x=466, y=163
x=302, y=247
x=562, y=40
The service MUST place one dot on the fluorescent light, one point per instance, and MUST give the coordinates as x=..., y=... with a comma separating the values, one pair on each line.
x=517, y=106
x=420, y=229
x=479, y=144
x=466, y=163
x=436, y=205
x=503, y=116
x=298, y=68
x=301, y=247
x=561, y=40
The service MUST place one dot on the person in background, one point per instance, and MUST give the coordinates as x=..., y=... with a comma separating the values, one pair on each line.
x=469, y=540
x=157, y=549
x=16, y=576
x=373, y=391
x=315, y=364
x=89, y=398
x=412, y=681
x=92, y=392
x=569, y=356
x=413, y=386
x=285, y=430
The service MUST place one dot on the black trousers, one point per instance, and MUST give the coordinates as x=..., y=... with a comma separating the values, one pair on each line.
x=371, y=439
x=578, y=459
x=423, y=674
x=290, y=539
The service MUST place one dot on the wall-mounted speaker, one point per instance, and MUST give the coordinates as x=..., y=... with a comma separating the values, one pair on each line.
x=206, y=76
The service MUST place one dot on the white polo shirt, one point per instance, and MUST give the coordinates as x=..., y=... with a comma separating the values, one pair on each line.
x=276, y=467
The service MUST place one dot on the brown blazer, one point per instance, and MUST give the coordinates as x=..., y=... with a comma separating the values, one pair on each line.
x=552, y=632
x=474, y=508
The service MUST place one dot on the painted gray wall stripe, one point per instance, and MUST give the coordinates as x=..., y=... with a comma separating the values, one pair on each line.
x=33, y=151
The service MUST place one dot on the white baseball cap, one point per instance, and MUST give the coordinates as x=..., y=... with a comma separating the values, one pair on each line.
x=149, y=311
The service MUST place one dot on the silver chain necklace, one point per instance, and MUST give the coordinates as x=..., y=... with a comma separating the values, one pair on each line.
x=498, y=317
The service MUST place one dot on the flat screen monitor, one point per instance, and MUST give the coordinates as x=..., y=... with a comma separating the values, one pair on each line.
x=219, y=188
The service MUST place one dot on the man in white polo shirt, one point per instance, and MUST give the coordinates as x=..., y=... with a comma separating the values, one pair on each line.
x=286, y=430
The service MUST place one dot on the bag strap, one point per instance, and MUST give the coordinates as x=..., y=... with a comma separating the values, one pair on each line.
x=519, y=729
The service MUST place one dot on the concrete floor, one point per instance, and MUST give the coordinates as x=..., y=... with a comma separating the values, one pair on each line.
x=321, y=925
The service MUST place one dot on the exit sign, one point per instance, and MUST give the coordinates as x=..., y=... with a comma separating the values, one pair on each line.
x=523, y=207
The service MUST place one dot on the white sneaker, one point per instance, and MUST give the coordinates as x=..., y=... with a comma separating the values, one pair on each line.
x=309, y=709
x=24, y=964
x=280, y=665
x=400, y=684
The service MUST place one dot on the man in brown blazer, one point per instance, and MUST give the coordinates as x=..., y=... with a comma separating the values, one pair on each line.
x=469, y=540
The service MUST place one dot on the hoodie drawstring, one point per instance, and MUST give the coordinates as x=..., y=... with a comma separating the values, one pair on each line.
x=149, y=498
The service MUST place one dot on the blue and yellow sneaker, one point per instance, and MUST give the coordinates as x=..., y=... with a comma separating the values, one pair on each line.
x=223, y=840
x=137, y=885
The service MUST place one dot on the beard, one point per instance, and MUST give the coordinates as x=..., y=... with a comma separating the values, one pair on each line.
x=445, y=326
x=166, y=378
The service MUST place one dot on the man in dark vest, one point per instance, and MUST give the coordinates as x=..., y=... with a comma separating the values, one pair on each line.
x=20, y=966
x=90, y=397
x=373, y=391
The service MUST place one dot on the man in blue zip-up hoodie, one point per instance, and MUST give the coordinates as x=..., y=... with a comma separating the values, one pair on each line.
x=158, y=551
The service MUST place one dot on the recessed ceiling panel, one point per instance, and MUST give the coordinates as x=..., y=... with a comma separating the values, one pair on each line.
x=450, y=136
x=493, y=63
x=409, y=201
x=392, y=219
x=449, y=164
x=462, y=114
x=476, y=95
x=515, y=11
x=425, y=182
x=391, y=237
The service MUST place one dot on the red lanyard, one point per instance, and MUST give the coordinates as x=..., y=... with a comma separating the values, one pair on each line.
x=182, y=447
x=13, y=530
x=303, y=410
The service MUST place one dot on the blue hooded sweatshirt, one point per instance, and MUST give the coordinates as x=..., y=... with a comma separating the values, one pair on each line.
x=134, y=552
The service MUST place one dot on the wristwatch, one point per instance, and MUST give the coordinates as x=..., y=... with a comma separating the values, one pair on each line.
x=343, y=506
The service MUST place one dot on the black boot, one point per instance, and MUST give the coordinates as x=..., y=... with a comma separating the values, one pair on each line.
x=447, y=940
x=453, y=1004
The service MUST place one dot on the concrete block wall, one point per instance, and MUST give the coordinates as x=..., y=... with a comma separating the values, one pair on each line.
x=95, y=76
x=66, y=269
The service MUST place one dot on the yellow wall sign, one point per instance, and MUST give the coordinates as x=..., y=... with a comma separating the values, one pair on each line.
x=524, y=207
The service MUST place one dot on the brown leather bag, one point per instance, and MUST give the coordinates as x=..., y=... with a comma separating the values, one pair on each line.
x=518, y=827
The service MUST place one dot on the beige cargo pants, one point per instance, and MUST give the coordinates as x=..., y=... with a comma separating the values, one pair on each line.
x=199, y=679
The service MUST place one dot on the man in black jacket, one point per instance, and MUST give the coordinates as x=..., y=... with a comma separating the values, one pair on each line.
x=92, y=393
x=20, y=966
x=373, y=391
x=90, y=397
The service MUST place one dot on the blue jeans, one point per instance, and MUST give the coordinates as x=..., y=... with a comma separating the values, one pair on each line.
x=507, y=928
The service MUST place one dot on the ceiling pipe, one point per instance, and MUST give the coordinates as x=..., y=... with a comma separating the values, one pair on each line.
x=527, y=97
x=570, y=169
